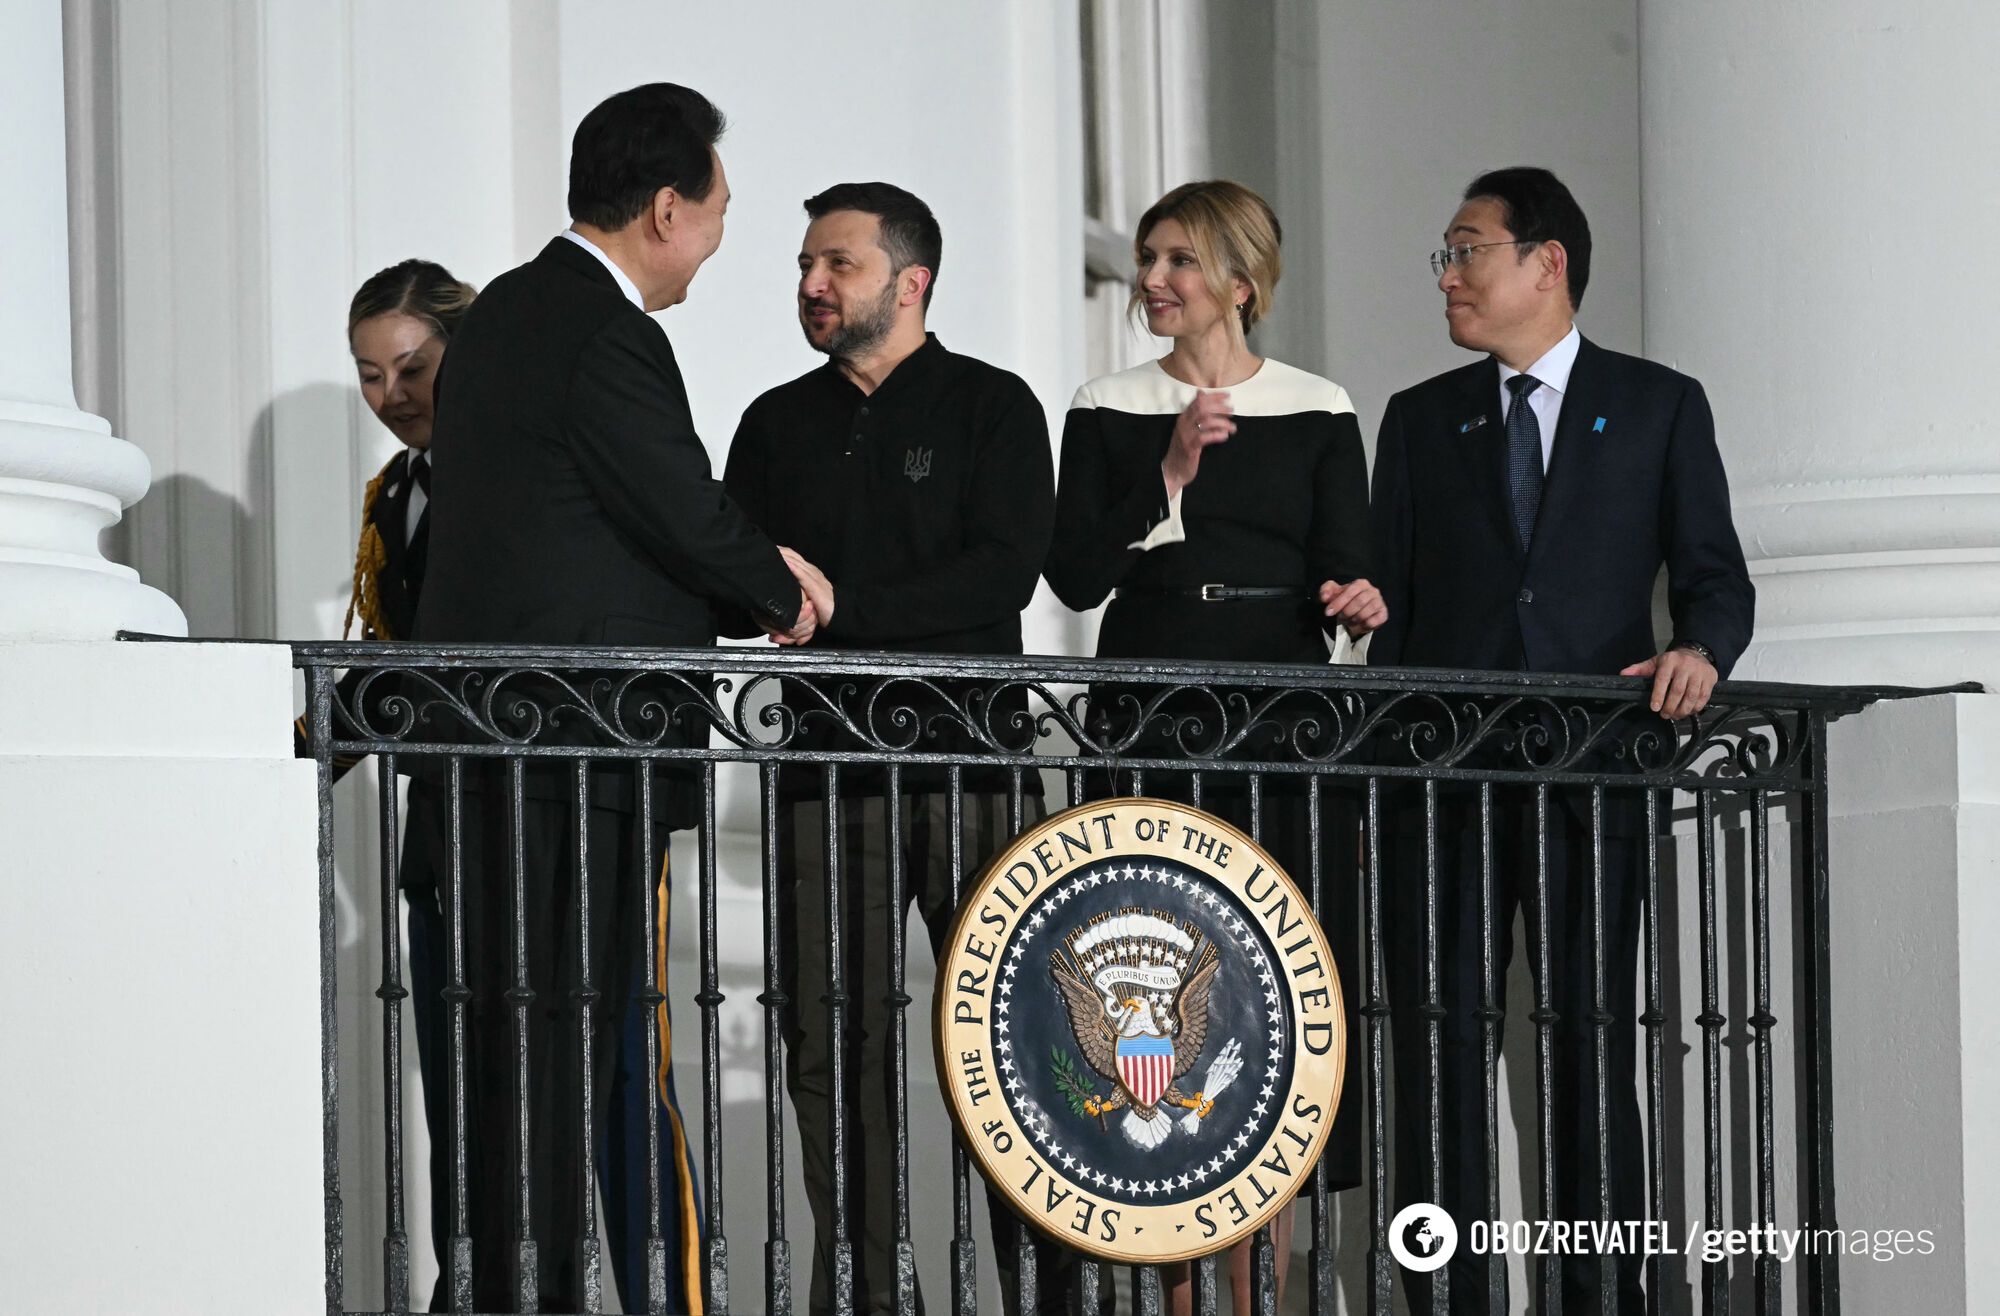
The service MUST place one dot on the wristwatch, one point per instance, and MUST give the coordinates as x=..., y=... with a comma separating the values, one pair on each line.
x=1697, y=648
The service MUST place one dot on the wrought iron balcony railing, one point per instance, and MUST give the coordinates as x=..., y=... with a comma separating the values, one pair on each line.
x=1358, y=756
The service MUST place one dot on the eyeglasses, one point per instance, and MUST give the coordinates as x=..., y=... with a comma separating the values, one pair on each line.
x=1458, y=256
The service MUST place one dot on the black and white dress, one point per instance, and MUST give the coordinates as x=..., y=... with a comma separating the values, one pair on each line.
x=1282, y=503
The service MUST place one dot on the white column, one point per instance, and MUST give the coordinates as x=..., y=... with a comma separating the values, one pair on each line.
x=63, y=477
x=1819, y=194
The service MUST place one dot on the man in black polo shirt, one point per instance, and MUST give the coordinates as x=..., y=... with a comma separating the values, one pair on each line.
x=920, y=483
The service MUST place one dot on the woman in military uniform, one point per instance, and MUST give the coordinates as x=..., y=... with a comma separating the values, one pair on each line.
x=398, y=326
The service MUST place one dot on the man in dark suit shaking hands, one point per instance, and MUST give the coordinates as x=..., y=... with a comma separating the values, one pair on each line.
x=1523, y=508
x=572, y=503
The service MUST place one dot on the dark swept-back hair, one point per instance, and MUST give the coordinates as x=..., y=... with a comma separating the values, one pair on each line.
x=910, y=233
x=420, y=288
x=637, y=142
x=1537, y=208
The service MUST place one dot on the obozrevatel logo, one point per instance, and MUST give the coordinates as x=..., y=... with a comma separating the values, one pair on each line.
x=1422, y=1236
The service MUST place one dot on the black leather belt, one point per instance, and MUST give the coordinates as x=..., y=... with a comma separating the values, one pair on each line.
x=1213, y=593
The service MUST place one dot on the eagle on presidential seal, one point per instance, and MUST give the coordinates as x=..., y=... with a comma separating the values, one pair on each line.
x=1137, y=984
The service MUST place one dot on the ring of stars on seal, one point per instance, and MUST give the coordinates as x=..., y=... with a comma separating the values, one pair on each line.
x=1139, y=1030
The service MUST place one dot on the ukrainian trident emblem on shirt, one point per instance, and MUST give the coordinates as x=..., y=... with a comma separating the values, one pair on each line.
x=1139, y=1030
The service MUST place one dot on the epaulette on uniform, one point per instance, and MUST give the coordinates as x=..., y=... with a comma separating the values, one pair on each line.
x=370, y=557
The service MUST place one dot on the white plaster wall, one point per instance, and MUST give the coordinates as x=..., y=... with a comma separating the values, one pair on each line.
x=1397, y=108
x=159, y=983
x=1809, y=173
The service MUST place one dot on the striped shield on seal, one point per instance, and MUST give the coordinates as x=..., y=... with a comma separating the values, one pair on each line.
x=1146, y=1066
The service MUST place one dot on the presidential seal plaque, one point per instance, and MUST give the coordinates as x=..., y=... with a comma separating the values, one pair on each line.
x=1139, y=1031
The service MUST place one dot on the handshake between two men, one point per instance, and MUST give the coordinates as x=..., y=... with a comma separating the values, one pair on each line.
x=815, y=601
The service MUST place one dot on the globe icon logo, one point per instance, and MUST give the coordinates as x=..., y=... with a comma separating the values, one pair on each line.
x=1422, y=1236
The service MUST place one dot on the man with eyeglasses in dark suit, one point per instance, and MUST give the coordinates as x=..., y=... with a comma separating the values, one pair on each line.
x=1523, y=508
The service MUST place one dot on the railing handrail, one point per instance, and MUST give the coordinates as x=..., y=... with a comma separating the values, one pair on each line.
x=1835, y=700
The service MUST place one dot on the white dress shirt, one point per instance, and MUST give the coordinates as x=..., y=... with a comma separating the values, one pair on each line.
x=419, y=500
x=1553, y=371
x=625, y=285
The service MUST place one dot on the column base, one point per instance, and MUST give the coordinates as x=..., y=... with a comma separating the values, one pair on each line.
x=64, y=480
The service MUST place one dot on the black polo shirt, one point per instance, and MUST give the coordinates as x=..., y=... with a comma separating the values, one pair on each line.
x=929, y=503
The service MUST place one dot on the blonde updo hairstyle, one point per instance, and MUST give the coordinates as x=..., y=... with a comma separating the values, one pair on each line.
x=422, y=289
x=1235, y=235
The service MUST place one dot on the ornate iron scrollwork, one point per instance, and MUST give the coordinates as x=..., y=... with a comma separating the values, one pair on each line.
x=1063, y=714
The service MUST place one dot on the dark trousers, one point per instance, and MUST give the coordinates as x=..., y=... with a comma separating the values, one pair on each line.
x=622, y=1158
x=1462, y=1188
x=561, y=1136
x=869, y=1097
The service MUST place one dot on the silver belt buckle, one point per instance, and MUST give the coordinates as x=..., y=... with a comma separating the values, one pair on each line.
x=1211, y=593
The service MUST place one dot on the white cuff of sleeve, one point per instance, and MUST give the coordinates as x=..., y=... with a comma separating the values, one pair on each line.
x=1169, y=531
x=1348, y=651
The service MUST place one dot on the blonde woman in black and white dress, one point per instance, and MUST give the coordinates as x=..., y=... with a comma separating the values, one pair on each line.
x=1221, y=500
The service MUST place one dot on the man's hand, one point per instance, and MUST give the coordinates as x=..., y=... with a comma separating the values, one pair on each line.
x=1357, y=605
x=1208, y=419
x=1682, y=682
x=801, y=631
x=813, y=583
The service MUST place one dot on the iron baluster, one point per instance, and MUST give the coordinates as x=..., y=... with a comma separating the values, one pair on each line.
x=777, y=1249
x=715, y=1274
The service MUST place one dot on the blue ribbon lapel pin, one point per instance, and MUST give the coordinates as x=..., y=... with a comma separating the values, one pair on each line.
x=1598, y=427
x=1477, y=421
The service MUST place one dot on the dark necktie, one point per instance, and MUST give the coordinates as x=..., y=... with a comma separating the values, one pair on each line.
x=1524, y=456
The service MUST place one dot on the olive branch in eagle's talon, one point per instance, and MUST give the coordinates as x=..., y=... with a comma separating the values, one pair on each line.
x=1070, y=1082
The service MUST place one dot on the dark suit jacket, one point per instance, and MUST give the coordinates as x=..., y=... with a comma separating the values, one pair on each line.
x=571, y=500
x=1634, y=481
